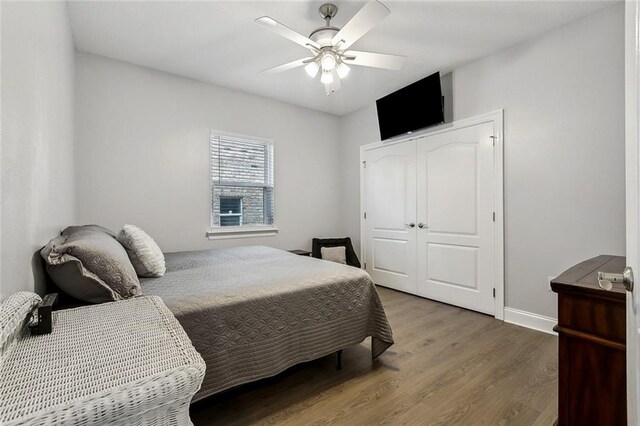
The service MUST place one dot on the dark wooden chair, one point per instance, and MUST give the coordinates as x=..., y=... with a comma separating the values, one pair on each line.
x=351, y=257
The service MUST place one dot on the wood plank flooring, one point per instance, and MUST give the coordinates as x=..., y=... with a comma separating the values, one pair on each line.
x=448, y=366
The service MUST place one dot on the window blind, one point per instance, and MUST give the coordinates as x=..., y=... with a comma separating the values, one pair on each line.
x=242, y=167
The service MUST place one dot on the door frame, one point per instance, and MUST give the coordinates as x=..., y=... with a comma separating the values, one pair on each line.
x=632, y=178
x=497, y=118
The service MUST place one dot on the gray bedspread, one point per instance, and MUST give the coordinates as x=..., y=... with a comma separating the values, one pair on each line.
x=252, y=312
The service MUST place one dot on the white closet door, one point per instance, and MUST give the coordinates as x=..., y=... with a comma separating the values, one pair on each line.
x=390, y=206
x=455, y=235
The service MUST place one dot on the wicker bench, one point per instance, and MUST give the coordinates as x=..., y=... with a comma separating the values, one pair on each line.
x=127, y=362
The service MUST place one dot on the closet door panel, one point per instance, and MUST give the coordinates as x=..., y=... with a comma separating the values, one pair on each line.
x=455, y=245
x=390, y=206
x=389, y=255
x=452, y=265
x=388, y=180
x=452, y=196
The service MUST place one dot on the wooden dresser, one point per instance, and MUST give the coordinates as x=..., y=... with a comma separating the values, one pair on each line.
x=592, y=344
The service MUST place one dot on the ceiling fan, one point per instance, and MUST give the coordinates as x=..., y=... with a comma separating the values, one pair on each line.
x=329, y=45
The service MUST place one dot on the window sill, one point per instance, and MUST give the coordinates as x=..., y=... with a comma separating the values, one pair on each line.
x=241, y=232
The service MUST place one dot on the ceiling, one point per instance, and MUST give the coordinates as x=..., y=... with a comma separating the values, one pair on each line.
x=218, y=42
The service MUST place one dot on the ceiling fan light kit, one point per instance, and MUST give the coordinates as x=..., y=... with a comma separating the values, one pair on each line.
x=327, y=77
x=343, y=70
x=312, y=69
x=328, y=60
x=329, y=45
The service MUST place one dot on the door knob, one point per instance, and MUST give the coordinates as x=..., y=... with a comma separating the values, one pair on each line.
x=410, y=225
x=606, y=279
x=422, y=226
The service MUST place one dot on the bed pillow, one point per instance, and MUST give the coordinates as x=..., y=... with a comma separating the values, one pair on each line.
x=73, y=229
x=145, y=254
x=334, y=254
x=90, y=265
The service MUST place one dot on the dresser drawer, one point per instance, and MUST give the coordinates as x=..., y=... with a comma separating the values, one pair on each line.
x=597, y=317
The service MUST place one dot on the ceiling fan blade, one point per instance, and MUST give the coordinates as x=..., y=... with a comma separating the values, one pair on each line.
x=375, y=60
x=360, y=24
x=278, y=28
x=288, y=66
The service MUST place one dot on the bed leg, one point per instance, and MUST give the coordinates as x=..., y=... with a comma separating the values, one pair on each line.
x=339, y=360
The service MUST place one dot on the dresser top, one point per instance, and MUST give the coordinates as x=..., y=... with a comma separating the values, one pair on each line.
x=583, y=277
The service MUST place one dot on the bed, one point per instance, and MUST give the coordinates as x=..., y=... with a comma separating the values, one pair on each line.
x=254, y=311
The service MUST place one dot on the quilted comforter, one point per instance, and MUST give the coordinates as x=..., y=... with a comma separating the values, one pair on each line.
x=252, y=312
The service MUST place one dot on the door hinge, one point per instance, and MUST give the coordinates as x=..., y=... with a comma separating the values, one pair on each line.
x=494, y=292
x=365, y=215
x=364, y=164
x=365, y=265
x=493, y=139
x=494, y=216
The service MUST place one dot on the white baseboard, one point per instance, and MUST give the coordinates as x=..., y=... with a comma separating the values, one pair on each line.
x=530, y=320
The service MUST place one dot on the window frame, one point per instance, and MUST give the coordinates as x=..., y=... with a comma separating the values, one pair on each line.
x=242, y=231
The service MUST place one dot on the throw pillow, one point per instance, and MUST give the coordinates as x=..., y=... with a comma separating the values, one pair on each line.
x=334, y=254
x=145, y=254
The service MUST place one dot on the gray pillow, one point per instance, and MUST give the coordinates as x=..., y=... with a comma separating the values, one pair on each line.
x=144, y=253
x=90, y=265
x=73, y=229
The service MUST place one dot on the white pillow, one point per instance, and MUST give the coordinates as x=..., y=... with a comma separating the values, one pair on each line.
x=334, y=254
x=145, y=254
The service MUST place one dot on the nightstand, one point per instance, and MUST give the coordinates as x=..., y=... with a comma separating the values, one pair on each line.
x=125, y=362
x=301, y=252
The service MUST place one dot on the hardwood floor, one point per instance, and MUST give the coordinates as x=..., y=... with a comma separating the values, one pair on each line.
x=448, y=366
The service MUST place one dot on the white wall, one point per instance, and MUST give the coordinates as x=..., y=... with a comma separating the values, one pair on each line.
x=37, y=165
x=563, y=96
x=143, y=155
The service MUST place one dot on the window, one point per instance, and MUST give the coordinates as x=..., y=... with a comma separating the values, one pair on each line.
x=230, y=211
x=242, y=193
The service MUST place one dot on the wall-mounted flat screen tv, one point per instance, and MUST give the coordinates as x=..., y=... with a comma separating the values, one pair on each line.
x=411, y=108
